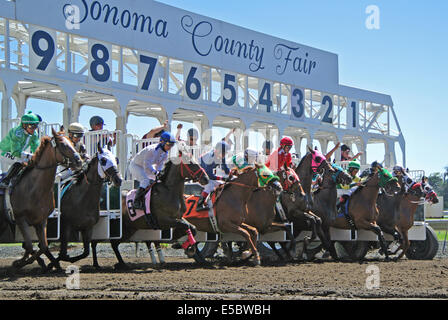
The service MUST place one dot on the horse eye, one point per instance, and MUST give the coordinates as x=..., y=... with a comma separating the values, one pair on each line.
x=103, y=161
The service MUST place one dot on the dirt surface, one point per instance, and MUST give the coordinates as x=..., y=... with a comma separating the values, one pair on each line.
x=182, y=278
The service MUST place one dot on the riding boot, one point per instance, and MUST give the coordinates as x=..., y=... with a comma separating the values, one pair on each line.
x=202, y=205
x=280, y=211
x=139, y=200
x=12, y=172
x=341, y=204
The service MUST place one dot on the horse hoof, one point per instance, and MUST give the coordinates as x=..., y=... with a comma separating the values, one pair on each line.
x=190, y=251
x=121, y=267
x=246, y=254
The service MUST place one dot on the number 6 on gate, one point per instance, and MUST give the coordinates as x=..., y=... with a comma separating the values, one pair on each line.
x=43, y=49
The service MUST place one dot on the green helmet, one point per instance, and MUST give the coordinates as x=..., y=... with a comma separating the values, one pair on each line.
x=354, y=164
x=30, y=118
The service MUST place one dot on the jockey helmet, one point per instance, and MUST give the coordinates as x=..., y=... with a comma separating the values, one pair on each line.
x=192, y=133
x=252, y=155
x=76, y=127
x=167, y=137
x=398, y=169
x=286, y=141
x=354, y=164
x=96, y=120
x=30, y=118
x=222, y=146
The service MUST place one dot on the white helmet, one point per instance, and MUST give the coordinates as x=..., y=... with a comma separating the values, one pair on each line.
x=252, y=156
x=76, y=127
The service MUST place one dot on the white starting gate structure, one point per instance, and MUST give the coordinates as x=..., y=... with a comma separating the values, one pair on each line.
x=149, y=59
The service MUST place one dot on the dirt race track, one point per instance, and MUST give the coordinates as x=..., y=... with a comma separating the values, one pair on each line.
x=182, y=278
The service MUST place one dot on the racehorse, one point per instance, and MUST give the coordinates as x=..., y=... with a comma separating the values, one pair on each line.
x=230, y=208
x=299, y=208
x=80, y=202
x=167, y=203
x=397, y=213
x=32, y=196
x=324, y=206
x=362, y=208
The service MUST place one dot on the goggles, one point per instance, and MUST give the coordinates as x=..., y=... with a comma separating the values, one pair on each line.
x=77, y=134
x=31, y=126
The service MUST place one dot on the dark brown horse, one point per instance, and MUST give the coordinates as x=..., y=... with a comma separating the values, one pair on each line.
x=32, y=198
x=167, y=203
x=80, y=203
x=300, y=208
x=231, y=209
x=362, y=206
x=324, y=204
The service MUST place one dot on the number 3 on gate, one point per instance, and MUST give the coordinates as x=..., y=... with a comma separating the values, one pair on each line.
x=43, y=48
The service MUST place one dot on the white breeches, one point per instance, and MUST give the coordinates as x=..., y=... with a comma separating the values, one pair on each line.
x=138, y=173
x=212, y=184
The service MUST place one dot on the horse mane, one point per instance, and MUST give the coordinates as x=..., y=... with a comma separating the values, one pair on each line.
x=44, y=141
x=166, y=169
x=79, y=175
x=303, y=159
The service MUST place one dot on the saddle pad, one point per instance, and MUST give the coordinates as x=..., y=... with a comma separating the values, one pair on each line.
x=192, y=202
x=135, y=214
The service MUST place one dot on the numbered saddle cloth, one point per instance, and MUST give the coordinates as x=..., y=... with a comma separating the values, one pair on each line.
x=135, y=214
x=192, y=202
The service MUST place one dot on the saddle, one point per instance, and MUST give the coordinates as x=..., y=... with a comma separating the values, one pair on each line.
x=191, y=212
x=135, y=214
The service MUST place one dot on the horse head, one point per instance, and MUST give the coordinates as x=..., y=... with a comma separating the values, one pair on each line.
x=429, y=193
x=108, y=165
x=266, y=178
x=340, y=176
x=65, y=152
x=189, y=167
x=388, y=182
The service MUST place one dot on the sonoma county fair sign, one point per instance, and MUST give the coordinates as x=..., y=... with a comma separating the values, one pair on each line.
x=162, y=29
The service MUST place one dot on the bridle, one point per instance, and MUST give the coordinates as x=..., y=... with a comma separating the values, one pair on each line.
x=195, y=176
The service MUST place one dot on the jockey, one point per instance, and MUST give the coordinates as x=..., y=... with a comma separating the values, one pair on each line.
x=75, y=133
x=353, y=169
x=281, y=156
x=13, y=147
x=147, y=164
x=250, y=157
x=210, y=161
x=399, y=171
x=356, y=184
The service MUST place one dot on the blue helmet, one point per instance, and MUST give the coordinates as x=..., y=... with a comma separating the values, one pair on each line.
x=167, y=137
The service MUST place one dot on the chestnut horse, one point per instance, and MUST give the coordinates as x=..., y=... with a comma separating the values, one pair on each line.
x=32, y=198
x=167, y=203
x=362, y=206
x=231, y=208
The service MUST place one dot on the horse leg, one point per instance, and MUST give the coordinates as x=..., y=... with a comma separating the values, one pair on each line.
x=375, y=228
x=276, y=251
x=253, y=237
x=292, y=245
x=27, y=244
x=405, y=244
x=93, y=244
x=41, y=231
x=86, y=238
x=121, y=265
x=160, y=253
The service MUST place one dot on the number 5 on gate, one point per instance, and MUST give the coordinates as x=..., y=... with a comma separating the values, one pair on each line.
x=43, y=49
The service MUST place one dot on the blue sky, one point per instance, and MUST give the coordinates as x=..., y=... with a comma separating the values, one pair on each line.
x=405, y=58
